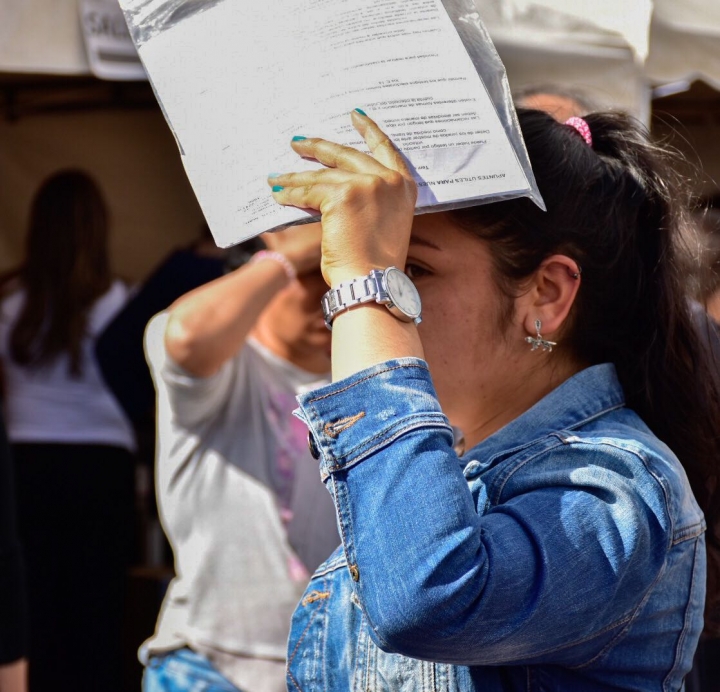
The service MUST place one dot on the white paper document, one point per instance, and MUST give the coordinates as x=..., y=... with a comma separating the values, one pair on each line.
x=238, y=79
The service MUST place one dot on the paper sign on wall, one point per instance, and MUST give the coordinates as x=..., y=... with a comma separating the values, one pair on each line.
x=111, y=52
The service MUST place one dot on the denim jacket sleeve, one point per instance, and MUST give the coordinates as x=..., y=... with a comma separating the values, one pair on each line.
x=443, y=573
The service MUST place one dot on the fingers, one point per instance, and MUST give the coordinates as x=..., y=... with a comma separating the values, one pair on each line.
x=315, y=189
x=350, y=177
x=323, y=175
x=335, y=155
x=381, y=146
x=311, y=196
x=308, y=234
x=384, y=153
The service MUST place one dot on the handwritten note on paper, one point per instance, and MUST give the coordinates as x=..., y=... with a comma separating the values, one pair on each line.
x=237, y=80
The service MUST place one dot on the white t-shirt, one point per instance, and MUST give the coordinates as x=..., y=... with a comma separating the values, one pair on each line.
x=233, y=468
x=46, y=403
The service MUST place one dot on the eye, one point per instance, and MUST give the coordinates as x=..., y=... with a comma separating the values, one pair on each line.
x=415, y=271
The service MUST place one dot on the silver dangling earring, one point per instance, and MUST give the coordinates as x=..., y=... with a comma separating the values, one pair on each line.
x=537, y=342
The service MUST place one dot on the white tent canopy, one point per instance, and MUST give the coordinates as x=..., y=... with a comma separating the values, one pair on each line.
x=616, y=51
x=79, y=37
x=685, y=42
x=668, y=40
x=43, y=37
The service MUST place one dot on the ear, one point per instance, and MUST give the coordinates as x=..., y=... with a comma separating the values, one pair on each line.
x=551, y=294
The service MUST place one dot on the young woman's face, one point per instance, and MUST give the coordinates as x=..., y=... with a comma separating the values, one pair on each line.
x=468, y=345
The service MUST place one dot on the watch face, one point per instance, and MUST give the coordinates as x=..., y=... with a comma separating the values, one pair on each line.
x=402, y=292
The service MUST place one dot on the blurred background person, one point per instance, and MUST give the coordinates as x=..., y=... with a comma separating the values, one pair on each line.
x=119, y=348
x=72, y=444
x=560, y=102
x=121, y=357
x=13, y=606
x=238, y=491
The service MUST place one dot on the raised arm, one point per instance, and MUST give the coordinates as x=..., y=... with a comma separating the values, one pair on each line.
x=210, y=324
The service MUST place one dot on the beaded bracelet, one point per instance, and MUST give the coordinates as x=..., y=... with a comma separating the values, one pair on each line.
x=277, y=257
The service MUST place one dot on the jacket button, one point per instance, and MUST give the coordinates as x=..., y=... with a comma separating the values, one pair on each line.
x=314, y=451
x=354, y=572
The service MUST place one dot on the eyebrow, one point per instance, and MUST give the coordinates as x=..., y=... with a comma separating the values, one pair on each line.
x=421, y=241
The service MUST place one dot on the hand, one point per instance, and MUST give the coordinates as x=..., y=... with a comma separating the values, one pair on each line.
x=366, y=201
x=300, y=245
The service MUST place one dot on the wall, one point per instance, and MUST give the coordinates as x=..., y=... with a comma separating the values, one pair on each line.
x=135, y=159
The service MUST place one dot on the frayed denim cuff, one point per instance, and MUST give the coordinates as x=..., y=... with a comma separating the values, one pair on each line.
x=359, y=415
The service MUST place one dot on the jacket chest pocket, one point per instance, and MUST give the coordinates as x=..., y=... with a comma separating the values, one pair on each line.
x=330, y=648
x=378, y=671
x=307, y=641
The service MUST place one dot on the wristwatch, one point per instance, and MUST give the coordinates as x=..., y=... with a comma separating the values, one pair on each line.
x=390, y=287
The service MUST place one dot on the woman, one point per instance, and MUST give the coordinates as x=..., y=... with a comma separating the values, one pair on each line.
x=563, y=549
x=71, y=443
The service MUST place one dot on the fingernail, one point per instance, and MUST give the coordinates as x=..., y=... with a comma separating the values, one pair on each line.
x=273, y=175
x=298, y=138
x=277, y=188
x=361, y=111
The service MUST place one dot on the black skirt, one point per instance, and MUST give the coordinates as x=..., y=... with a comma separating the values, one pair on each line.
x=75, y=519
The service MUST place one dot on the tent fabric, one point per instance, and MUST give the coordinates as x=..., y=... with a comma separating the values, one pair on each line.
x=570, y=44
x=559, y=38
x=574, y=22
x=606, y=80
x=581, y=44
x=681, y=42
x=42, y=36
x=685, y=42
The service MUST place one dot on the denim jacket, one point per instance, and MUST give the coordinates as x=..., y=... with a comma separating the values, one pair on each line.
x=564, y=552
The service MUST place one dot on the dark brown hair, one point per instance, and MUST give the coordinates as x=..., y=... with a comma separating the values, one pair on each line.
x=618, y=209
x=66, y=269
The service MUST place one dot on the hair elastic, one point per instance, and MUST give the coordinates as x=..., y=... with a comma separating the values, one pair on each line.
x=582, y=127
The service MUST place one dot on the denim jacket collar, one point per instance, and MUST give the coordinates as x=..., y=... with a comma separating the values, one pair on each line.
x=579, y=399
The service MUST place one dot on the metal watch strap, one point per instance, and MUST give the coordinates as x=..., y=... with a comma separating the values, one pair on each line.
x=364, y=289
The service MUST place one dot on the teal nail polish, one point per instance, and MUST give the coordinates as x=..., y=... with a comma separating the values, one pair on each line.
x=298, y=138
x=277, y=188
x=361, y=111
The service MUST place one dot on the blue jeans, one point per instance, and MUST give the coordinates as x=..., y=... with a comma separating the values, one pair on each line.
x=183, y=670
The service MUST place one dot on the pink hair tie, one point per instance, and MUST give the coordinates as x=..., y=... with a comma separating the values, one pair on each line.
x=582, y=127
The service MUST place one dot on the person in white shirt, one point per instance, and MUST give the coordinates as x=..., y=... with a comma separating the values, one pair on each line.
x=239, y=495
x=71, y=443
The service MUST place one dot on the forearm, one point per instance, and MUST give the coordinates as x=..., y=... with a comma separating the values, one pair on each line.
x=402, y=501
x=210, y=324
x=368, y=335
